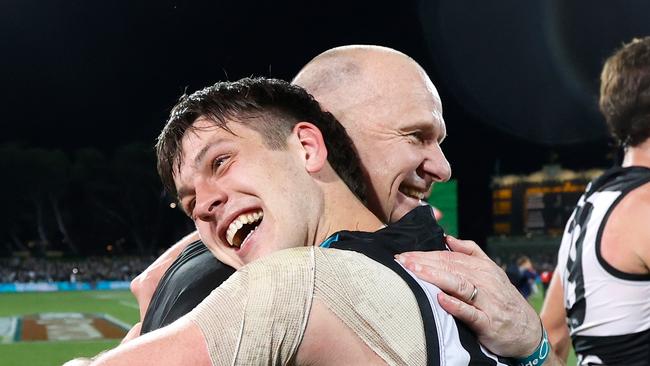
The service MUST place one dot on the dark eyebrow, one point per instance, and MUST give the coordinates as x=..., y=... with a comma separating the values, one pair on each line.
x=199, y=157
x=201, y=154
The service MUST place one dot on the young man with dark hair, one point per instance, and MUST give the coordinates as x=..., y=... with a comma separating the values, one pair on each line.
x=601, y=285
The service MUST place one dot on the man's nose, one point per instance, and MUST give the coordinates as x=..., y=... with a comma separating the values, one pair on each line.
x=435, y=167
x=208, y=202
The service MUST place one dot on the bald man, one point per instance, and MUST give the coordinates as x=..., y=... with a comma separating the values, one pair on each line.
x=390, y=109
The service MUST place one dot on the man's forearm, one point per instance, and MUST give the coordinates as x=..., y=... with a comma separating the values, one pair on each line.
x=553, y=316
x=180, y=343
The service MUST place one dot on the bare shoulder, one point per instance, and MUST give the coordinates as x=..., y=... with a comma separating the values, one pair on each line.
x=634, y=209
x=625, y=243
x=640, y=202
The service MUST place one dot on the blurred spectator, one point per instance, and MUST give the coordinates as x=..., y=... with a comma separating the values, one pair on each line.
x=522, y=275
x=86, y=270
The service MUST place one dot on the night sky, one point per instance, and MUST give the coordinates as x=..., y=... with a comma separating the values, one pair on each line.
x=518, y=80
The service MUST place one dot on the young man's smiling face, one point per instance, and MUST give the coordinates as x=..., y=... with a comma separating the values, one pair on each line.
x=246, y=199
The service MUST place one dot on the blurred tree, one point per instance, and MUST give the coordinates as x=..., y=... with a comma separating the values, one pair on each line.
x=87, y=204
x=141, y=197
x=12, y=208
x=33, y=174
x=56, y=172
x=95, y=194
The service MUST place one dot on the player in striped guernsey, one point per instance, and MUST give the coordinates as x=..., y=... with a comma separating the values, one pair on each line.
x=601, y=286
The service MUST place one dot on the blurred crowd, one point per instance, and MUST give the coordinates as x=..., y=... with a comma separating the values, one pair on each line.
x=528, y=273
x=542, y=261
x=90, y=269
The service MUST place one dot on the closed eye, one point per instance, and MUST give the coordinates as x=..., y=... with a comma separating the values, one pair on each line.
x=417, y=136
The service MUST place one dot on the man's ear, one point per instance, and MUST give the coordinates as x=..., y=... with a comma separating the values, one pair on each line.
x=313, y=146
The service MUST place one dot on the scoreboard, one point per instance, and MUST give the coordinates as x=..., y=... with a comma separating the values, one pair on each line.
x=524, y=207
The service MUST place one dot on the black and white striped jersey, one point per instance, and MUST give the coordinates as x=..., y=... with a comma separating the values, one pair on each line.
x=608, y=311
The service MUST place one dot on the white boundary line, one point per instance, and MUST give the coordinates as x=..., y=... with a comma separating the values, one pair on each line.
x=115, y=320
x=128, y=304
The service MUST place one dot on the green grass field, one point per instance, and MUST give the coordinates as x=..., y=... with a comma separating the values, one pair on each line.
x=119, y=304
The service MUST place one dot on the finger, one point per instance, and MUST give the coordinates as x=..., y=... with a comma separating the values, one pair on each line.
x=464, y=266
x=481, y=272
x=465, y=246
x=467, y=313
x=456, y=262
x=447, y=281
x=430, y=255
x=435, y=255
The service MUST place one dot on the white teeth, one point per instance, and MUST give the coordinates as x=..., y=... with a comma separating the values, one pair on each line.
x=412, y=192
x=239, y=222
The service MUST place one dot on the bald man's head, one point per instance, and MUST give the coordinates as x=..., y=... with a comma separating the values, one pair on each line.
x=341, y=78
x=392, y=112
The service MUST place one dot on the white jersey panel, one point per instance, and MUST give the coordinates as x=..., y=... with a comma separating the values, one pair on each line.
x=452, y=352
x=613, y=305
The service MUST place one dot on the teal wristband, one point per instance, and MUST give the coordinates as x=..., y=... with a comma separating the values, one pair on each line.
x=540, y=355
